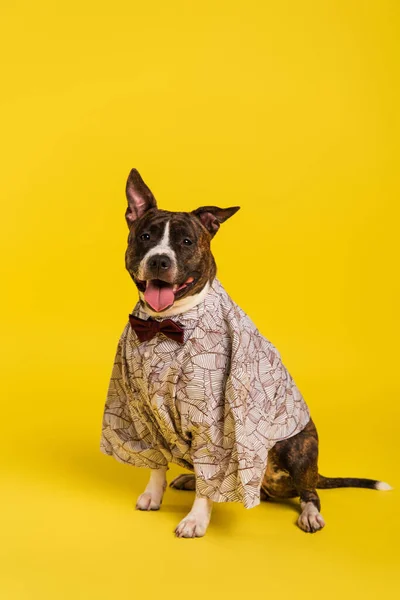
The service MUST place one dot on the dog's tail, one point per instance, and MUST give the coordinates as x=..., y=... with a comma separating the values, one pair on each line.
x=326, y=483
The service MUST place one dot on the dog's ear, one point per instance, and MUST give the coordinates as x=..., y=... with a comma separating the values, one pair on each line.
x=212, y=216
x=140, y=199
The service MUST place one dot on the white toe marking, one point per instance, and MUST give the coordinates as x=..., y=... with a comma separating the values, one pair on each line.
x=196, y=522
x=310, y=519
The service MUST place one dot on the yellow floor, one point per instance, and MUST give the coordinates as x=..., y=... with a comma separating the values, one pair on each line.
x=288, y=109
x=70, y=529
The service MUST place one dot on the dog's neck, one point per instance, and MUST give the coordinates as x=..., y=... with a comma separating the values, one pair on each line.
x=180, y=306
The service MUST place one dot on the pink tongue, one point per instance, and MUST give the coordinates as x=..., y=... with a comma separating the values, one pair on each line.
x=158, y=297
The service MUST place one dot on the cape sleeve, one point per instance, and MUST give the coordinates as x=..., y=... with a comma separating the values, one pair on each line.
x=230, y=436
x=257, y=405
x=126, y=434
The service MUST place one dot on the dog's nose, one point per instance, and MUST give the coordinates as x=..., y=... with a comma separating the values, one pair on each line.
x=160, y=262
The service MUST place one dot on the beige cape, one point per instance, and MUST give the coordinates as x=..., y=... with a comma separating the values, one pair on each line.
x=215, y=404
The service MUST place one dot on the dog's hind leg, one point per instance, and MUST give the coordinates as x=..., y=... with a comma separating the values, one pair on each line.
x=186, y=481
x=297, y=460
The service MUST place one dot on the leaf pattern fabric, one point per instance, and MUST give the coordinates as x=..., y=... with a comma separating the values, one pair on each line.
x=214, y=405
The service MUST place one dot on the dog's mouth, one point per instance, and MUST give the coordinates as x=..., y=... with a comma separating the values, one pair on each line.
x=160, y=295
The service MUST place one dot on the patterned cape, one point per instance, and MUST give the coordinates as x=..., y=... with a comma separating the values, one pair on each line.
x=215, y=404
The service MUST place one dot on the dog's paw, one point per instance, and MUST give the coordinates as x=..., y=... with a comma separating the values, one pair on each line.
x=148, y=501
x=310, y=519
x=192, y=526
x=184, y=482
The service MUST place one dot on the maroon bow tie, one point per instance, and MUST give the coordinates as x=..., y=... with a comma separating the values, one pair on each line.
x=147, y=329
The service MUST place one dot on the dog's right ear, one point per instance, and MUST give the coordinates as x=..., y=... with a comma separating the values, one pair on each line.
x=140, y=199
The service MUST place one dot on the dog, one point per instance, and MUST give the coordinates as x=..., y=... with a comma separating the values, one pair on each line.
x=196, y=384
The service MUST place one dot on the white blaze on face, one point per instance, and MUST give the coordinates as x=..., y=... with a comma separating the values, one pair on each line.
x=163, y=247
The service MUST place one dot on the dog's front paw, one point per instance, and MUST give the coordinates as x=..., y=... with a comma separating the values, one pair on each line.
x=310, y=519
x=192, y=526
x=146, y=501
x=153, y=494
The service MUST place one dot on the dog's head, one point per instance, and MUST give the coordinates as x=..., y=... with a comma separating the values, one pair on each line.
x=168, y=255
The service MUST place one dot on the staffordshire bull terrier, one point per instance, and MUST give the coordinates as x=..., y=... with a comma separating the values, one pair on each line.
x=195, y=383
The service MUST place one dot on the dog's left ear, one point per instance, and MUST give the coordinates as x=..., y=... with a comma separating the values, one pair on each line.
x=212, y=216
x=140, y=199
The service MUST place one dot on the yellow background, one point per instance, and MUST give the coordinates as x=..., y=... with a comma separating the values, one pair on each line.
x=289, y=109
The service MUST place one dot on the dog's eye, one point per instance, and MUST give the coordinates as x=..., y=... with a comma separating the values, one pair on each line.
x=187, y=242
x=145, y=237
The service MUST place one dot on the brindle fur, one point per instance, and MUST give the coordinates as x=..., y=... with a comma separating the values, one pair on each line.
x=200, y=226
x=196, y=260
x=292, y=469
